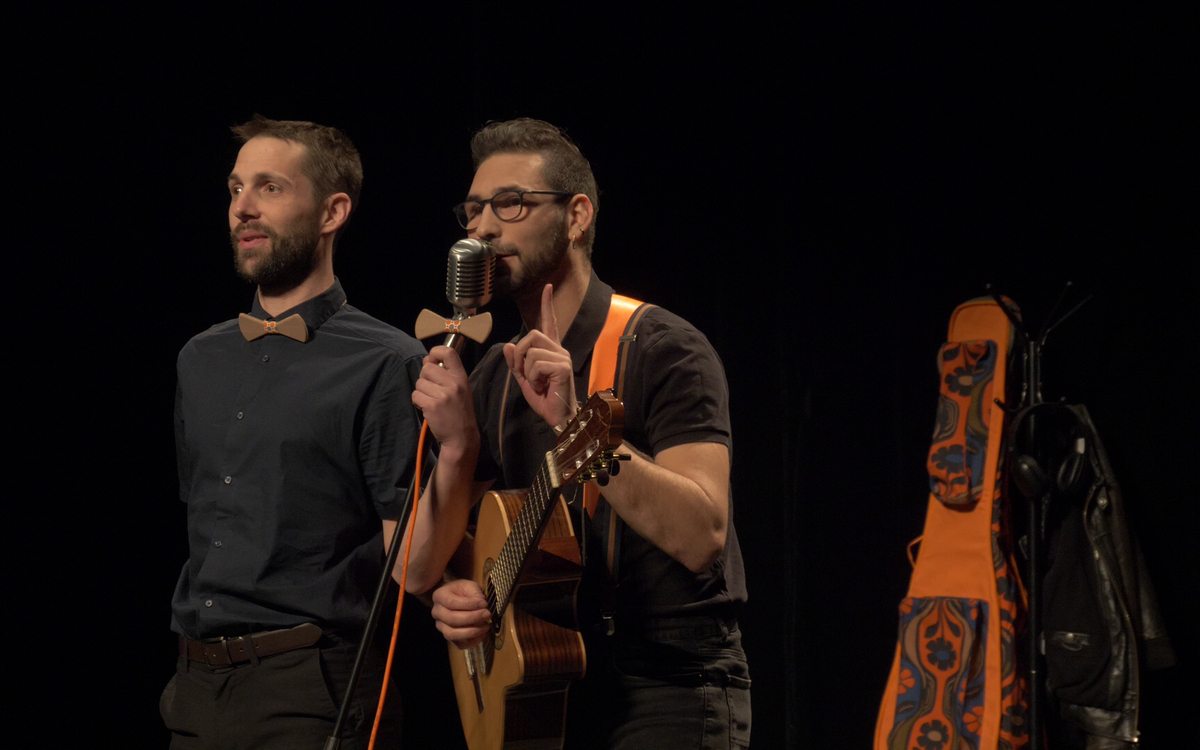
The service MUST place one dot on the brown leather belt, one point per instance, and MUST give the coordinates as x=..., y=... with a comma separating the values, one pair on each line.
x=224, y=652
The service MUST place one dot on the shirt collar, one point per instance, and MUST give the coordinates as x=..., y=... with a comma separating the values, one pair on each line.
x=581, y=338
x=313, y=311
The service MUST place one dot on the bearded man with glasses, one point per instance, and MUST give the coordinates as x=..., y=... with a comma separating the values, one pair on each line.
x=665, y=666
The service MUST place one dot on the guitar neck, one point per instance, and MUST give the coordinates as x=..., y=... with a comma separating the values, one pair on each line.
x=527, y=529
x=587, y=442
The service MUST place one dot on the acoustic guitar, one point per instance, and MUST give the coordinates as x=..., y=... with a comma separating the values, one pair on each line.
x=512, y=688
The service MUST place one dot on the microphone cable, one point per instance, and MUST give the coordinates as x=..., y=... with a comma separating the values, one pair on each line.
x=387, y=671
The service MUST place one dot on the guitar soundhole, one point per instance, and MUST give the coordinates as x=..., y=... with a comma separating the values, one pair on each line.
x=490, y=593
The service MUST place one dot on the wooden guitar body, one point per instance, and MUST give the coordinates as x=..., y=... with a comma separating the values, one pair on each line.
x=512, y=688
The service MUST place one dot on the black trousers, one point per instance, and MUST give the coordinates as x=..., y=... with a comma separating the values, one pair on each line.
x=669, y=684
x=288, y=701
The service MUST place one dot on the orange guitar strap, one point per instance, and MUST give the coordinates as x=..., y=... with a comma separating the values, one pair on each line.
x=608, y=355
x=609, y=359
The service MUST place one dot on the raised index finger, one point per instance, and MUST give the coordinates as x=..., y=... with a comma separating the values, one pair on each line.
x=549, y=323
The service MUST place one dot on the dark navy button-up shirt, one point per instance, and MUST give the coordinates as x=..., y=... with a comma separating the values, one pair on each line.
x=289, y=455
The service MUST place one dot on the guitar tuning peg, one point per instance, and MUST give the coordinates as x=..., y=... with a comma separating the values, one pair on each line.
x=602, y=479
x=614, y=467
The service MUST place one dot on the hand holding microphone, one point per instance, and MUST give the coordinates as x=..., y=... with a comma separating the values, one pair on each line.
x=442, y=393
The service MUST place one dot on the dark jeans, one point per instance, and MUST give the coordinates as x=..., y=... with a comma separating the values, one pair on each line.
x=288, y=701
x=671, y=684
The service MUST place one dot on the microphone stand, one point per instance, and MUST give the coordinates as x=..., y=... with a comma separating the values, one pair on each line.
x=469, y=272
x=335, y=740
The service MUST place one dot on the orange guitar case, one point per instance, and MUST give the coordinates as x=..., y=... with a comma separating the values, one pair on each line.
x=955, y=682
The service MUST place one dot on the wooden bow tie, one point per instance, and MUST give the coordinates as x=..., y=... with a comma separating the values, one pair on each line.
x=477, y=327
x=293, y=326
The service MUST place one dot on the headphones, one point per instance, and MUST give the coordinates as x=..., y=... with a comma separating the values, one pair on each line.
x=1048, y=445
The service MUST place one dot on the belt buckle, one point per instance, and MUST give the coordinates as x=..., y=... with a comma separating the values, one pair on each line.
x=222, y=645
x=219, y=646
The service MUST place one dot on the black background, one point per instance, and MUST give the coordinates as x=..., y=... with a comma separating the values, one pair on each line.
x=815, y=190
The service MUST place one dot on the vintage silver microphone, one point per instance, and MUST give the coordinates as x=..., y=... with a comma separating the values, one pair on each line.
x=470, y=273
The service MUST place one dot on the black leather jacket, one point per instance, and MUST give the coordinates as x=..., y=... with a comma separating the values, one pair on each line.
x=1100, y=618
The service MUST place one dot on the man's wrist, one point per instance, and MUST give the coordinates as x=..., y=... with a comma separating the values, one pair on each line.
x=464, y=449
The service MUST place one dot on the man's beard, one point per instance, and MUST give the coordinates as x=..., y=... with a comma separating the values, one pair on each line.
x=537, y=267
x=291, y=259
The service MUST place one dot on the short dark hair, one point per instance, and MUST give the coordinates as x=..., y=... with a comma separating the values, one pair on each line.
x=563, y=164
x=330, y=159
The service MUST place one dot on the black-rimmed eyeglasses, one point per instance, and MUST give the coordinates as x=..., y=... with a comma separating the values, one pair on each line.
x=506, y=205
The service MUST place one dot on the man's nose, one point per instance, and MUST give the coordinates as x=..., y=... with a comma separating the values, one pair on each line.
x=244, y=206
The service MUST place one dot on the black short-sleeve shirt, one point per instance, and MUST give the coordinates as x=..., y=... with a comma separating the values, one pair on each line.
x=675, y=393
x=289, y=455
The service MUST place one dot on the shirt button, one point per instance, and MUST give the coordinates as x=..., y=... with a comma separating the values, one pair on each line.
x=265, y=358
x=217, y=543
x=208, y=603
x=241, y=414
x=228, y=480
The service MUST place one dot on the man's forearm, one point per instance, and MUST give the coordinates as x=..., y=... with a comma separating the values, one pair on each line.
x=677, y=501
x=441, y=518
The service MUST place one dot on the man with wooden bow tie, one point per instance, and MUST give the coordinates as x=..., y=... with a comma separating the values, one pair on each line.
x=296, y=434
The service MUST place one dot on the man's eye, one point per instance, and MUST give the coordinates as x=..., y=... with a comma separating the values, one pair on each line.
x=271, y=189
x=507, y=200
x=235, y=190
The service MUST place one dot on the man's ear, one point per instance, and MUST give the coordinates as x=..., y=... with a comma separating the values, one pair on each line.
x=336, y=212
x=579, y=215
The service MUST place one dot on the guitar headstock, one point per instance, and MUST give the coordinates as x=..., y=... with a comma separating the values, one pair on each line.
x=589, y=442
